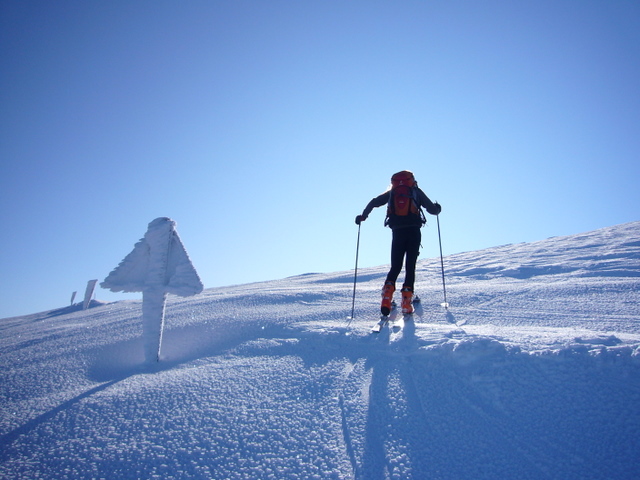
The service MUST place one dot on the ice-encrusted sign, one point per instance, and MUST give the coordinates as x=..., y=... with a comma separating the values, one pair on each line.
x=158, y=265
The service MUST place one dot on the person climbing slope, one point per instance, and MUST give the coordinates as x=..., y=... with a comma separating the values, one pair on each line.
x=405, y=217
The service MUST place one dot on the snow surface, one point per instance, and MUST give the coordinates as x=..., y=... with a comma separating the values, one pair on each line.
x=539, y=376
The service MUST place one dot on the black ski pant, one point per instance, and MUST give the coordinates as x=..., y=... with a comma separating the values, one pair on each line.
x=405, y=243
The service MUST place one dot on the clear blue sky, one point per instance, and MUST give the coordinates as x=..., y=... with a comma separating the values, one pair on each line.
x=263, y=127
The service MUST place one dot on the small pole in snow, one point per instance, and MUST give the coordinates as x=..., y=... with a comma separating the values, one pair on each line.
x=444, y=289
x=91, y=285
x=355, y=280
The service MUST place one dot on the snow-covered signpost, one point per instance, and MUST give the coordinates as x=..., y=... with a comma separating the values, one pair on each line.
x=88, y=293
x=158, y=265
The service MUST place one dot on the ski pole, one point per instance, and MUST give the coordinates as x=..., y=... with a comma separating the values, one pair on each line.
x=355, y=278
x=444, y=289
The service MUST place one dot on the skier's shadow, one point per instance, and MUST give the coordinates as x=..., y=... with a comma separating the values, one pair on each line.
x=389, y=371
x=409, y=338
x=390, y=368
x=449, y=316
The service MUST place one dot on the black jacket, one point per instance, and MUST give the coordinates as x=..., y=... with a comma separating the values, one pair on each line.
x=411, y=220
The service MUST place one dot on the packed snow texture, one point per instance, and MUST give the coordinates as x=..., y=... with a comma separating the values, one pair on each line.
x=533, y=373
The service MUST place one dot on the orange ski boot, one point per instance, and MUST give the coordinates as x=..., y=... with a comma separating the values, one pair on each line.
x=407, y=300
x=387, y=298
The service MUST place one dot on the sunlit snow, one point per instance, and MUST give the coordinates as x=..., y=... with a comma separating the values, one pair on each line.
x=533, y=373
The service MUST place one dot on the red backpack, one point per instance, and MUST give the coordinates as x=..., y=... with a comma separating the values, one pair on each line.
x=403, y=200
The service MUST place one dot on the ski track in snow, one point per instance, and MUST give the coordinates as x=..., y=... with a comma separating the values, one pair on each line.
x=534, y=372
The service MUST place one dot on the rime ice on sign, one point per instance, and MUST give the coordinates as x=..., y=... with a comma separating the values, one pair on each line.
x=88, y=293
x=157, y=265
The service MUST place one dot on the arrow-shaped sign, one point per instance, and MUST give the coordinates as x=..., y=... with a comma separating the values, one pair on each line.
x=157, y=265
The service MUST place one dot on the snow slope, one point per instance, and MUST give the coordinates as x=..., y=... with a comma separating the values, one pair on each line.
x=533, y=373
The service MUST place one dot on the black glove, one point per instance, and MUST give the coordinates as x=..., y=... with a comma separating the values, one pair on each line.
x=437, y=208
x=360, y=219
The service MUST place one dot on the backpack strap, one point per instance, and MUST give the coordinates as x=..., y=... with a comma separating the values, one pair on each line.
x=415, y=201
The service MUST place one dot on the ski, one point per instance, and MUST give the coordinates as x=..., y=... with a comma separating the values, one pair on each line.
x=397, y=323
x=384, y=319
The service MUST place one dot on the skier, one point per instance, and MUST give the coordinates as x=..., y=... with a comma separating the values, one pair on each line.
x=405, y=218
